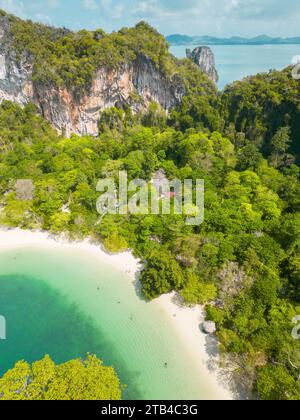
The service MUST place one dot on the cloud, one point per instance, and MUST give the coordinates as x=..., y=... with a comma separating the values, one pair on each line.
x=90, y=4
x=13, y=6
x=191, y=17
x=260, y=9
x=40, y=17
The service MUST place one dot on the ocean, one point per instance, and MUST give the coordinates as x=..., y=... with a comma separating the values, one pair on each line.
x=234, y=62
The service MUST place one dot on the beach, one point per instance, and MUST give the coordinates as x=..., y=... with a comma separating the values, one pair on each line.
x=185, y=321
x=14, y=238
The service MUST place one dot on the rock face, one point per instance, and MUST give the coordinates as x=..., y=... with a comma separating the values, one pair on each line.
x=209, y=327
x=205, y=59
x=136, y=84
x=109, y=88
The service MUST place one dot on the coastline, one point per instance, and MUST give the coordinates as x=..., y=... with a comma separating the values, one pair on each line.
x=14, y=238
x=185, y=321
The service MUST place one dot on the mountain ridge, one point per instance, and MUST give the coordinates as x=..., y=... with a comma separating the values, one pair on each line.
x=72, y=77
x=178, y=39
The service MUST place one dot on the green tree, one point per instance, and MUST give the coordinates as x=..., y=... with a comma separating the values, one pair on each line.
x=249, y=157
x=161, y=274
x=276, y=383
x=197, y=292
x=280, y=143
x=74, y=380
x=116, y=243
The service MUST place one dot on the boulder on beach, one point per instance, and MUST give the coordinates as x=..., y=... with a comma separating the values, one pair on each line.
x=209, y=327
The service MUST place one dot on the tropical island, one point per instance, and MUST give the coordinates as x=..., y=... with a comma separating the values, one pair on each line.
x=242, y=264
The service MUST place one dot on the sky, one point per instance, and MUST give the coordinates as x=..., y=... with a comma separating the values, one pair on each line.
x=222, y=18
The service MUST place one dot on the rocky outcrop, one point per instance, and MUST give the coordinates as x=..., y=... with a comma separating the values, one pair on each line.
x=15, y=75
x=209, y=327
x=136, y=84
x=205, y=59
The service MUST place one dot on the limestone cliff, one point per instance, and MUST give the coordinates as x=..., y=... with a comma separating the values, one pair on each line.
x=135, y=83
x=204, y=58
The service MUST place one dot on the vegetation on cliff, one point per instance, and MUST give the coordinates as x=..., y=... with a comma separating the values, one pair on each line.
x=266, y=109
x=64, y=58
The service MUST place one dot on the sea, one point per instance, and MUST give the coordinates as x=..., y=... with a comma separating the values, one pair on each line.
x=234, y=62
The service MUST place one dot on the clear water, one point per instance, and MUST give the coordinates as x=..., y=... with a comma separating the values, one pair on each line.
x=234, y=62
x=66, y=303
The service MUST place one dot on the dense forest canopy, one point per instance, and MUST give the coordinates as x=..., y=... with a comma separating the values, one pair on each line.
x=245, y=256
x=74, y=380
x=266, y=109
x=243, y=262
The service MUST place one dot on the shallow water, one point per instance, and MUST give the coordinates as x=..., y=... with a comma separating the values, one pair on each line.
x=66, y=303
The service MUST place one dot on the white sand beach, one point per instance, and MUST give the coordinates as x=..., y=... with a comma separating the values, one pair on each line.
x=14, y=238
x=185, y=321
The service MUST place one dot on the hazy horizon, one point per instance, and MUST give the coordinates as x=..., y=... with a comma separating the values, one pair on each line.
x=234, y=36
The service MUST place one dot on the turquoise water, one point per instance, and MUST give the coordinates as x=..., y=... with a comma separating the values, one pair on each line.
x=237, y=61
x=65, y=303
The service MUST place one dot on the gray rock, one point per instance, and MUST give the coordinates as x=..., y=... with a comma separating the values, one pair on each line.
x=205, y=59
x=209, y=327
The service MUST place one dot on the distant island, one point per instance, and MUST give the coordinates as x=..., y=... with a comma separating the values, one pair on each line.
x=177, y=39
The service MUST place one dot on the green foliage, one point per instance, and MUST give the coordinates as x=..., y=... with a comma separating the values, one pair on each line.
x=246, y=251
x=74, y=380
x=280, y=144
x=266, y=109
x=115, y=243
x=276, y=383
x=65, y=58
x=243, y=260
x=199, y=107
x=161, y=274
x=197, y=292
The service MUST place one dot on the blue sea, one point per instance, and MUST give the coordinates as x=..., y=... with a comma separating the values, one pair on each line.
x=234, y=62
